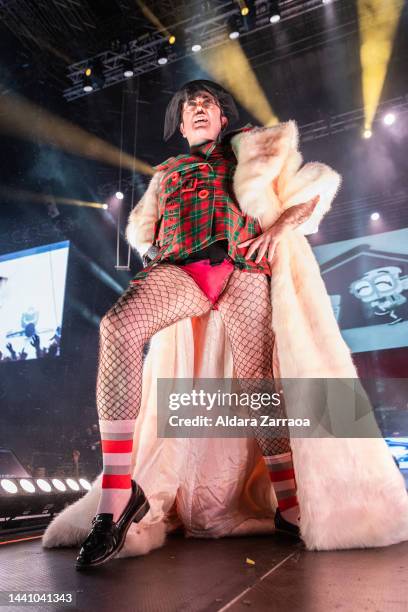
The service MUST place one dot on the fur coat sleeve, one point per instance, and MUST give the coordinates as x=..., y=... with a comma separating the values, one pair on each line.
x=143, y=217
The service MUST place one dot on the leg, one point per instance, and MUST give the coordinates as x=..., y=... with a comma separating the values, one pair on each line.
x=166, y=296
x=245, y=307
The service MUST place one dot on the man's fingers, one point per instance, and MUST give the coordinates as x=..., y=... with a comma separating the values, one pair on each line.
x=262, y=251
x=246, y=243
x=254, y=247
x=271, y=251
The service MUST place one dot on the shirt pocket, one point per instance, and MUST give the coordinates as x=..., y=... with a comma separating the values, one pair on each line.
x=168, y=222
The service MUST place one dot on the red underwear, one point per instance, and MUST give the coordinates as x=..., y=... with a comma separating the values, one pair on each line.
x=210, y=278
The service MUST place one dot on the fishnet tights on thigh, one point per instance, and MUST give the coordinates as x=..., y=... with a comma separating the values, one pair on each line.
x=166, y=296
x=245, y=307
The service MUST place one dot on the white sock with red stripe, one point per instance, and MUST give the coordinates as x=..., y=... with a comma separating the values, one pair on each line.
x=117, y=442
x=282, y=475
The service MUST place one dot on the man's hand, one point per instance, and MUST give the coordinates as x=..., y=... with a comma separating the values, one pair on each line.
x=268, y=240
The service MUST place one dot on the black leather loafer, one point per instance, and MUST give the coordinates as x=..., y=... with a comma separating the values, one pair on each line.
x=106, y=537
x=285, y=526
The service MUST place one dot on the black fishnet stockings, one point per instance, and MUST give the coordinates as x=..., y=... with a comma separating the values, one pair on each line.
x=166, y=296
x=245, y=307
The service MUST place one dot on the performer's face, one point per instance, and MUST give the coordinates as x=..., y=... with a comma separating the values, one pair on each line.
x=202, y=119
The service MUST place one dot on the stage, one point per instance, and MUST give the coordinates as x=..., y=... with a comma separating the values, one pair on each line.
x=214, y=575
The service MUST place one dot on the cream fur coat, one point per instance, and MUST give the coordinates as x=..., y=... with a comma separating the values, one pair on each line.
x=350, y=492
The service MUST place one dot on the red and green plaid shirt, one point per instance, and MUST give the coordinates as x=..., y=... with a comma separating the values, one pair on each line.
x=197, y=207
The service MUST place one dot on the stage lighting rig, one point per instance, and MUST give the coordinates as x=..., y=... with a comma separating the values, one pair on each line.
x=234, y=26
x=30, y=503
x=94, y=77
x=128, y=71
x=274, y=12
x=163, y=54
x=248, y=13
x=243, y=7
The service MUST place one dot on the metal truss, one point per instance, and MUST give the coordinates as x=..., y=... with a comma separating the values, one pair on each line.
x=350, y=120
x=209, y=27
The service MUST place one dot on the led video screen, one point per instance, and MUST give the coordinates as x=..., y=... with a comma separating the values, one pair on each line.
x=32, y=288
x=367, y=280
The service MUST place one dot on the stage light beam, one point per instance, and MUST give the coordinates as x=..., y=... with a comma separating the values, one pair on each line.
x=155, y=21
x=22, y=119
x=229, y=66
x=378, y=21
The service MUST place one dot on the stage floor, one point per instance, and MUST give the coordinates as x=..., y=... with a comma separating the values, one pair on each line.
x=195, y=575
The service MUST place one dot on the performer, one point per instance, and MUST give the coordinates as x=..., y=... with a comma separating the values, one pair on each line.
x=228, y=191
x=206, y=254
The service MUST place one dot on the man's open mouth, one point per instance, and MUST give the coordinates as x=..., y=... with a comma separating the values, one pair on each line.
x=200, y=121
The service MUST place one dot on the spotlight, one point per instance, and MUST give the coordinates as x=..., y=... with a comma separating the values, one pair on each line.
x=105, y=206
x=248, y=14
x=162, y=55
x=128, y=68
x=58, y=484
x=389, y=118
x=374, y=216
x=234, y=23
x=87, y=86
x=72, y=484
x=367, y=134
x=275, y=15
x=196, y=48
x=27, y=485
x=44, y=485
x=85, y=484
x=93, y=76
x=163, y=52
x=172, y=39
x=8, y=486
x=119, y=195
